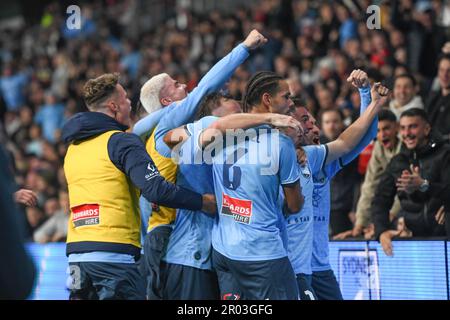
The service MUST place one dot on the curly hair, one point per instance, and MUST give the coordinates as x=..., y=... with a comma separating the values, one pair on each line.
x=97, y=90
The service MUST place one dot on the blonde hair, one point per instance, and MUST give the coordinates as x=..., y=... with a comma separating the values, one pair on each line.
x=150, y=92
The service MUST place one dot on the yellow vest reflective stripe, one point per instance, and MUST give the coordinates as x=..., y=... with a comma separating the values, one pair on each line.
x=104, y=203
x=168, y=169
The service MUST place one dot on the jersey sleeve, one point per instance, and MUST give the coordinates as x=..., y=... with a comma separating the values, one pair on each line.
x=317, y=156
x=289, y=170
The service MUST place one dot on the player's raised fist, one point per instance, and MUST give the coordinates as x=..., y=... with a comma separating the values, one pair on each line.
x=379, y=92
x=254, y=40
x=358, y=78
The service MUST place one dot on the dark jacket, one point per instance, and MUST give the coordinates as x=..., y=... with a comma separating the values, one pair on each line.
x=417, y=208
x=128, y=154
x=17, y=271
x=438, y=109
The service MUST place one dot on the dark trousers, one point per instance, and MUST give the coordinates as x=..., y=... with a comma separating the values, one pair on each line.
x=258, y=280
x=305, y=288
x=155, y=245
x=326, y=286
x=188, y=283
x=106, y=281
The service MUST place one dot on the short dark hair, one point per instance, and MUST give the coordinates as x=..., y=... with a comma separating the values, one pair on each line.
x=416, y=112
x=209, y=103
x=97, y=90
x=406, y=75
x=387, y=115
x=444, y=56
x=260, y=83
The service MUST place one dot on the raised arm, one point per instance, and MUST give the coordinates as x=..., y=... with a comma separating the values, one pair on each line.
x=350, y=138
x=245, y=121
x=364, y=92
x=128, y=154
x=185, y=110
x=230, y=122
x=144, y=127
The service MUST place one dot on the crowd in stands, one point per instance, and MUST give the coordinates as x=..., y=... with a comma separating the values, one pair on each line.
x=314, y=44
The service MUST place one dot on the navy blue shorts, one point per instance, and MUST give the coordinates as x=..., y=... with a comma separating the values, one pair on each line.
x=188, y=283
x=155, y=245
x=326, y=286
x=258, y=280
x=106, y=281
x=305, y=288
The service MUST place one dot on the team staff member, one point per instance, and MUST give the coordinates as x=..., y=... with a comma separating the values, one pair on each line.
x=103, y=165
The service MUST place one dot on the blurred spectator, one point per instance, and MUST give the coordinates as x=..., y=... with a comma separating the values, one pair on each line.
x=344, y=182
x=438, y=104
x=386, y=147
x=420, y=177
x=12, y=86
x=55, y=228
x=425, y=36
x=50, y=117
x=405, y=95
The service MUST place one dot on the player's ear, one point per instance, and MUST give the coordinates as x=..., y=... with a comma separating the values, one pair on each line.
x=166, y=101
x=266, y=99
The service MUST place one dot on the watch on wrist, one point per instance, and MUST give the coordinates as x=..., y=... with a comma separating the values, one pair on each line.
x=424, y=186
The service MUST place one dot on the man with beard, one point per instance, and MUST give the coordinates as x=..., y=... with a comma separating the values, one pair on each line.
x=308, y=230
x=386, y=147
x=420, y=176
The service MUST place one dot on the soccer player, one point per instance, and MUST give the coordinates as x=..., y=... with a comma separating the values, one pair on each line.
x=102, y=166
x=323, y=281
x=179, y=108
x=188, y=271
x=307, y=238
x=248, y=233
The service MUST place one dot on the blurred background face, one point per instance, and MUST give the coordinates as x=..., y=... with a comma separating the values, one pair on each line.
x=404, y=90
x=332, y=124
x=444, y=73
x=387, y=133
x=51, y=206
x=325, y=99
x=414, y=132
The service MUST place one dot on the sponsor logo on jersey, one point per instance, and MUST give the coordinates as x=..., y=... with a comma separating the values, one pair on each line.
x=86, y=215
x=152, y=172
x=239, y=209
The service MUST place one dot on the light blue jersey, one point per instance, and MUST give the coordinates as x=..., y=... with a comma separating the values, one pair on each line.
x=247, y=178
x=321, y=194
x=321, y=205
x=190, y=240
x=184, y=111
x=300, y=227
x=181, y=112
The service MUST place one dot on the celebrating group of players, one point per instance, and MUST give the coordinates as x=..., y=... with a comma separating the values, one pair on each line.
x=234, y=197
